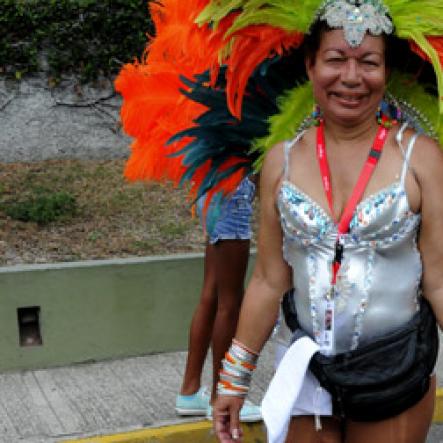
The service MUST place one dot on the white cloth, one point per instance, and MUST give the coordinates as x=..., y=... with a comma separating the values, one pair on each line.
x=312, y=399
x=293, y=387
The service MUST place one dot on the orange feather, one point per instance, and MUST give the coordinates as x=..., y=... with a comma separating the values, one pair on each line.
x=252, y=45
x=153, y=108
x=435, y=42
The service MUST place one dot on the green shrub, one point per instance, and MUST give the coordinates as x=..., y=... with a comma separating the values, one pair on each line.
x=87, y=38
x=43, y=209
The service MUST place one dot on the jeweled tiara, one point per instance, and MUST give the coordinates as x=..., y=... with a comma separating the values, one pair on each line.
x=356, y=18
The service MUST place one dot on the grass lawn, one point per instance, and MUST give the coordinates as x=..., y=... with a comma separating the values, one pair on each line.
x=67, y=210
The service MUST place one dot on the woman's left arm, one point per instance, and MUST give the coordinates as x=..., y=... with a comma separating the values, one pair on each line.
x=427, y=163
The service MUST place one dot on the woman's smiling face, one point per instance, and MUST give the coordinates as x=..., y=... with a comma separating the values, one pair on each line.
x=348, y=83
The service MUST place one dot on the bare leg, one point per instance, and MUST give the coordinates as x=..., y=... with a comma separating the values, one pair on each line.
x=302, y=430
x=231, y=264
x=411, y=426
x=201, y=326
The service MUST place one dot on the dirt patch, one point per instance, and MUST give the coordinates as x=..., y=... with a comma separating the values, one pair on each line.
x=113, y=218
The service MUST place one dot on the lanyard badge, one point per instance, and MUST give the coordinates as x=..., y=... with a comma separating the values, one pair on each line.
x=327, y=338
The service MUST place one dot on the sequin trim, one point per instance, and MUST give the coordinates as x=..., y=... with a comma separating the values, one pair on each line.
x=367, y=283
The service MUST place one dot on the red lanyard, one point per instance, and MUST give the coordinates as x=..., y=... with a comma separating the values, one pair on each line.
x=357, y=193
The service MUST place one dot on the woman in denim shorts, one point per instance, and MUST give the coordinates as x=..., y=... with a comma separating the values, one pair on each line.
x=215, y=318
x=234, y=221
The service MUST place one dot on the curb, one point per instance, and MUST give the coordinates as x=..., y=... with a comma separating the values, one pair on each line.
x=195, y=432
x=438, y=411
x=201, y=431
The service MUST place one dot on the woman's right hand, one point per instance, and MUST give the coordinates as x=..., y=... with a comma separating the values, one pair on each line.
x=226, y=418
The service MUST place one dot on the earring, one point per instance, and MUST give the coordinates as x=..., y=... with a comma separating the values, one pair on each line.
x=316, y=115
x=391, y=111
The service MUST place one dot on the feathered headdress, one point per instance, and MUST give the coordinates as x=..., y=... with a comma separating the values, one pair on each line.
x=223, y=80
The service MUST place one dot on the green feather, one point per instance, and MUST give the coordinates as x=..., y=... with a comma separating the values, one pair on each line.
x=432, y=54
x=216, y=10
x=295, y=15
x=294, y=106
x=278, y=19
x=404, y=87
x=422, y=16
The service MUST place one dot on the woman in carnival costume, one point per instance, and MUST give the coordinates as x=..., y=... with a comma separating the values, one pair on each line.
x=350, y=217
x=350, y=205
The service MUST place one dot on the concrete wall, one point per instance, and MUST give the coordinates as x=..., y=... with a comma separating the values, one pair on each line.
x=99, y=310
x=68, y=121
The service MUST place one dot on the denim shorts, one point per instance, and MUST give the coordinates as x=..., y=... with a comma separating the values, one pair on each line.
x=234, y=222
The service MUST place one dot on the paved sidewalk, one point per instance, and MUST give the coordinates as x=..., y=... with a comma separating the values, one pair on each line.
x=110, y=398
x=52, y=405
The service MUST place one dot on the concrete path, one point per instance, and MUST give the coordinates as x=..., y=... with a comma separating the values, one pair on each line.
x=66, y=403
x=51, y=405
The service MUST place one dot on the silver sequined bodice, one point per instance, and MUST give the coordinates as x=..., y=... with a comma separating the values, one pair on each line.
x=380, y=275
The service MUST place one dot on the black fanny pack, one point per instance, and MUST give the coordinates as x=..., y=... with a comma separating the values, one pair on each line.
x=383, y=378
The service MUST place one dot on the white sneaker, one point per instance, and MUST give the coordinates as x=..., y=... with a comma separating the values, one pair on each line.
x=195, y=404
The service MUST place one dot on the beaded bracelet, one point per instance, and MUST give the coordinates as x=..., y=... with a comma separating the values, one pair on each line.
x=237, y=368
x=241, y=345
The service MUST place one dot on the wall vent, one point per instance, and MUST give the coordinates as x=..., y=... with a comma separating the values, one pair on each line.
x=29, y=326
